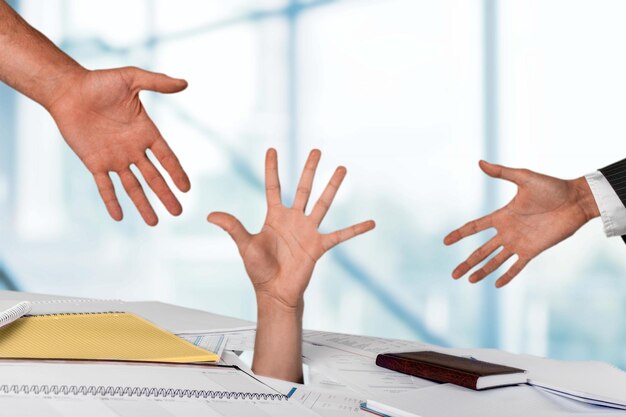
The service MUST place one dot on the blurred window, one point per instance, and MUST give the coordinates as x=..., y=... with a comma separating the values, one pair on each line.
x=394, y=90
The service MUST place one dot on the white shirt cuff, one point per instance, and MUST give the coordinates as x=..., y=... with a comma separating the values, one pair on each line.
x=612, y=210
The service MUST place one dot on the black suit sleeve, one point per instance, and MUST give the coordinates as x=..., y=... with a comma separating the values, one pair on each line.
x=615, y=174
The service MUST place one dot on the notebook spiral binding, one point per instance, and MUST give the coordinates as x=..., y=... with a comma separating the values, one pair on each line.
x=76, y=301
x=14, y=313
x=75, y=314
x=148, y=392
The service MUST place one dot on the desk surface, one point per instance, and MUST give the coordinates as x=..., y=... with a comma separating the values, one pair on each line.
x=342, y=373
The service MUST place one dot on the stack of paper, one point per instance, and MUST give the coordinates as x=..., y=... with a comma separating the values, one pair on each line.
x=589, y=382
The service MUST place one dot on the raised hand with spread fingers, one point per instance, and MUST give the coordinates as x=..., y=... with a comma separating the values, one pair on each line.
x=280, y=260
x=545, y=211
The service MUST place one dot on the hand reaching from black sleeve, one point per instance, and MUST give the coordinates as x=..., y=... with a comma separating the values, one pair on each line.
x=545, y=211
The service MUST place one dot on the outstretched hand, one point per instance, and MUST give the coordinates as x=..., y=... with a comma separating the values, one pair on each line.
x=545, y=211
x=102, y=119
x=280, y=259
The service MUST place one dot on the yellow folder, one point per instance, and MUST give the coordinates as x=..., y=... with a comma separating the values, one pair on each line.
x=103, y=336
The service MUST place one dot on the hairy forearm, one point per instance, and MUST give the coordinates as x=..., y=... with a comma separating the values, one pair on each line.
x=278, y=344
x=30, y=62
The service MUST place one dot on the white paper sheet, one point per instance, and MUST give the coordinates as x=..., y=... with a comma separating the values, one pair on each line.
x=212, y=343
x=231, y=358
x=238, y=341
x=364, y=345
x=447, y=400
x=47, y=375
x=185, y=320
x=326, y=403
x=360, y=373
x=593, y=381
x=242, y=341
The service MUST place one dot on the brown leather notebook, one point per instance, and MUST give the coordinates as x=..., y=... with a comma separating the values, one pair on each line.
x=439, y=367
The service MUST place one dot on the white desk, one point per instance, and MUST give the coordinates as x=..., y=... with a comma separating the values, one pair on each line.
x=342, y=373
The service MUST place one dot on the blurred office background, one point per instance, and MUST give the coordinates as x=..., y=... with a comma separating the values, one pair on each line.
x=409, y=94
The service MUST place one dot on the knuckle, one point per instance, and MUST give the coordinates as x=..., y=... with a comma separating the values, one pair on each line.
x=478, y=253
x=134, y=189
x=332, y=240
x=470, y=226
x=169, y=159
x=153, y=177
x=323, y=204
x=491, y=266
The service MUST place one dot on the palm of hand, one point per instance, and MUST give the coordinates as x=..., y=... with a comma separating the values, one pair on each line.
x=104, y=122
x=280, y=259
x=544, y=212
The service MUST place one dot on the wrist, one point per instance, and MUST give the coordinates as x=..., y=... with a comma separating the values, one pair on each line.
x=60, y=84
x=278, y=335
x=271, y=307
x=585, y=199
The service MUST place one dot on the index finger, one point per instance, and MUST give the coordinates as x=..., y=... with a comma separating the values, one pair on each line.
x=469, y=229
x=170, y=162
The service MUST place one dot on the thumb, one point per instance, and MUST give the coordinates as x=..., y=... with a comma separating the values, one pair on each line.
x=232, y=226
x=154, y=81
x=499, y=171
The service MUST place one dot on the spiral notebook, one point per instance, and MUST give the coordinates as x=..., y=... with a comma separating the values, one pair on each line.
x=104, y=379
x=104, y=336
x=76, y=388
x=12, y=310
